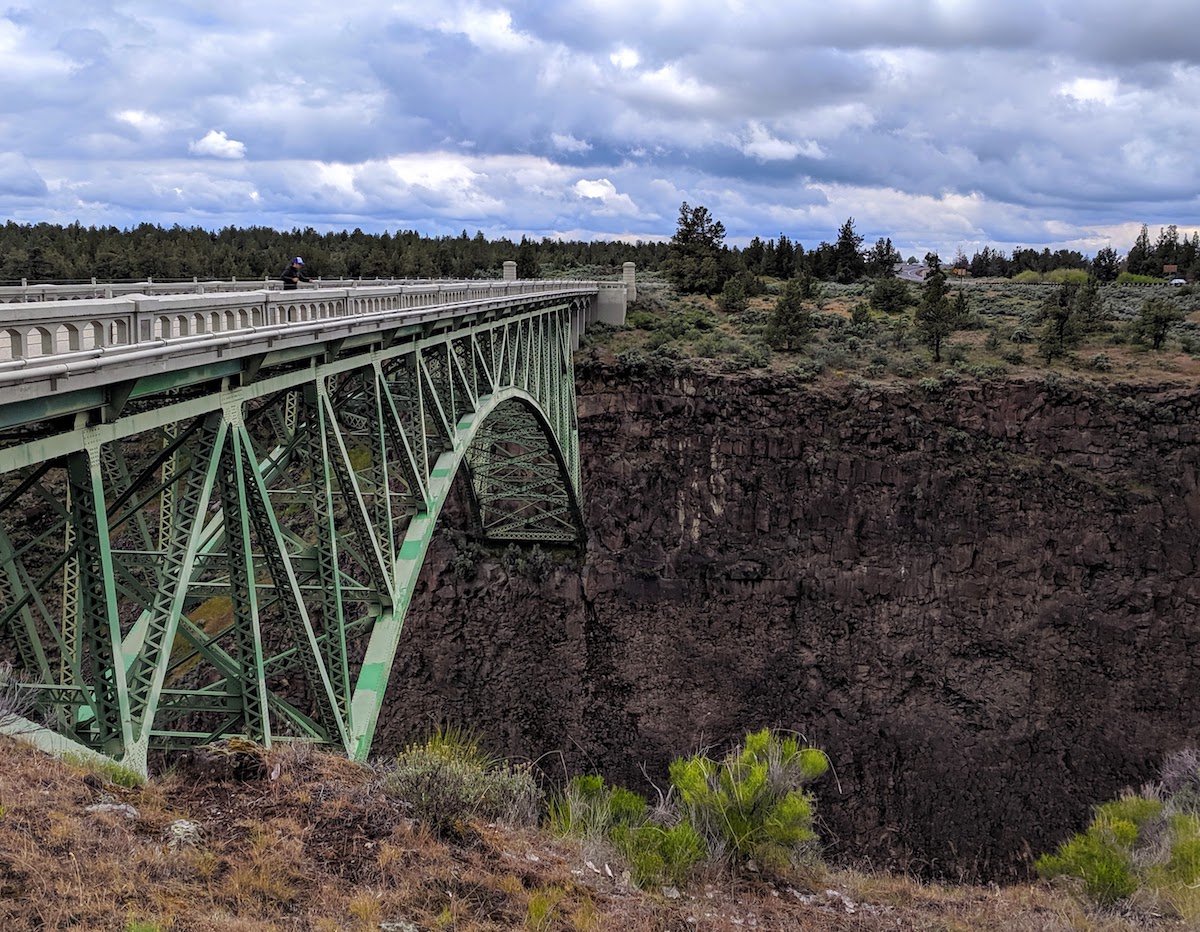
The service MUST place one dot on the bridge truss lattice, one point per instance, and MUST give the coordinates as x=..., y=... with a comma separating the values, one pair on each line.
x=236, y=556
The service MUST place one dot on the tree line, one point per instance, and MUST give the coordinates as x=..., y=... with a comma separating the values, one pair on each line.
x=47, y=252
x=696, y=259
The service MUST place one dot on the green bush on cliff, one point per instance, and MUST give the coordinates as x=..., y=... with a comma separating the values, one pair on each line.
x=591, y=809
x=1142, y=848
x=1103, y=856
x=750, y=805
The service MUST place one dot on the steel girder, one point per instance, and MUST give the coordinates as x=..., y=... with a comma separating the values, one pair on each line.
x=238, y=558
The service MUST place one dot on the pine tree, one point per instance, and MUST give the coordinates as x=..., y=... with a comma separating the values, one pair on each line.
x=696, y=251
x=849, y=264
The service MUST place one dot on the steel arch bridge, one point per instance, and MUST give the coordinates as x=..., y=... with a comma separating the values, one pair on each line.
x=218, y=532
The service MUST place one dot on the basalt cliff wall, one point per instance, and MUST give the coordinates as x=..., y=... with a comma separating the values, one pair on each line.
x=983, y=601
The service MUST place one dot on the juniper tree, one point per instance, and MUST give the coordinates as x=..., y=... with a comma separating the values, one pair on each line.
x=791, y=322
x=1069, y=314
x=890, y=295
x=936, y=317
x=1155, y=320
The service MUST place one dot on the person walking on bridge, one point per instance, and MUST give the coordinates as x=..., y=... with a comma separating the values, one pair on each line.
x=294, y=274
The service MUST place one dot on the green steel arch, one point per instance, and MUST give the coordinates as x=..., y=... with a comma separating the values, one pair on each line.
x=235, y=554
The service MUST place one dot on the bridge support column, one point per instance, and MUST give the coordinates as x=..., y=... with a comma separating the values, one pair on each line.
x=510, y=271
x=610, y=305
x=627, y=276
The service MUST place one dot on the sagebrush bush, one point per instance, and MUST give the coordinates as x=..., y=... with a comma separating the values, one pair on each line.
x=450, y=782
x=750, y=806
x=15, y=702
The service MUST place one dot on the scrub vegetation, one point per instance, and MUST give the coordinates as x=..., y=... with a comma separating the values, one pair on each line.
x=881, y=333
x=236, y=837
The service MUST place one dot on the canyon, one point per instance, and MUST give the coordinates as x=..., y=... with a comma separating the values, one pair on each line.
x=980, y=599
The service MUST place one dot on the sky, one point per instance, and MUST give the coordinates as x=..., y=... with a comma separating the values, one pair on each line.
x=942, y=124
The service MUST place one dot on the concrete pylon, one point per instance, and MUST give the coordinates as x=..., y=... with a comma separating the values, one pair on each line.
x=627, y=276
x=510, y=271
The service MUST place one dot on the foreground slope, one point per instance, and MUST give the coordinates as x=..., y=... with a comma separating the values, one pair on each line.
x=239, y=840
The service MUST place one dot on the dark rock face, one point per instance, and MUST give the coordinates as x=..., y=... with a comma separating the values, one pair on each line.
x=983, y=603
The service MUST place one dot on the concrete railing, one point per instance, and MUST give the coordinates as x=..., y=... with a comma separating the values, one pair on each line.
x=39, y=332
x=24, y=292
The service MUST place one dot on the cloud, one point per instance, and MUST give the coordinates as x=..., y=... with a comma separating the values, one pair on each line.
x=18, y=178
x=565, y=142
x=625, y=58
x=761, y=145
x=140, y=120
x=216, y=144
x=602, y=190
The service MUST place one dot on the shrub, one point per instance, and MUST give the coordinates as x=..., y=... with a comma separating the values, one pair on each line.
x=750, y=805
x=641, y=320
x=733, y=298
x=631, y=360
x=688, y=322
x=891, y=295
x=956, y=353
x=591, y=809
x=714, y=344
x=756, y=355
x=449, y=781
x=659, y=855
x=1067, y=276
x=860, y=317
x=1145, y=845
x=1099, y=859
x=15, y=701
x=807, y=370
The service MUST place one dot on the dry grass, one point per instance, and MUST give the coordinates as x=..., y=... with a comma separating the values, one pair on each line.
x=298, y=840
